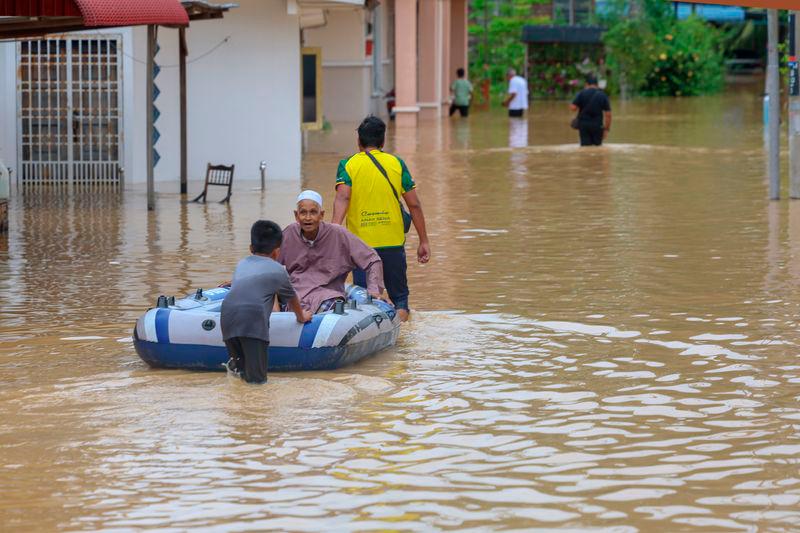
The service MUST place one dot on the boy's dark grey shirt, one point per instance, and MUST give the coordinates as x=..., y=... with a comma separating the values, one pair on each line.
x=247, y=307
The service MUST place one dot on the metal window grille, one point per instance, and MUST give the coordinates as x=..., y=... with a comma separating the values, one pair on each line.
x=573, y=11
x=69, y=111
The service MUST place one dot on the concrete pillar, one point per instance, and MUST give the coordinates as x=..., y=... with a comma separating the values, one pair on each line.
x=405, y=23
x=428, y=57
x=152, y=41
x=773, y=90
x=794, y=108
x=458, y=35
x=448, y=71
x=5, y=193
x=434, y=57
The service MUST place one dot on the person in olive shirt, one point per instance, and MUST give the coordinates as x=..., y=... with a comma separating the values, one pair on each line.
x=370, y=201
x=594, y=113
x=461, y=93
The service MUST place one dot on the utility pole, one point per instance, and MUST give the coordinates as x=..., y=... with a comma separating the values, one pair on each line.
x=794, y=108
x=183, y=52
x=150, y=95
x=773, y=91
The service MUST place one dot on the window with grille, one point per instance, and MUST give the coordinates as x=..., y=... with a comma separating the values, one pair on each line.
x=70, y=118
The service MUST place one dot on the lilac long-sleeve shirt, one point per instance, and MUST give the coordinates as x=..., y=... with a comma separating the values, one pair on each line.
x=318, y=269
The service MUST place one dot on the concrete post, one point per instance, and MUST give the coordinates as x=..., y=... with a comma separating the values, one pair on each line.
x=376, y=97
x=183, y=52
x=151, y=52
x=458, y=35
x=428, y=59
x=429, y=62
x=773, y=90
x=448, y=71
x=794, y=109
x=5, y=193
x=405, y=73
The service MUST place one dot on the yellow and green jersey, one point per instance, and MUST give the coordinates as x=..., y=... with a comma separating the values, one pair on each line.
x=374, y=214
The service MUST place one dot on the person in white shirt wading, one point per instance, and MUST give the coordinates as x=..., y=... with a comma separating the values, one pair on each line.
x=517, y=99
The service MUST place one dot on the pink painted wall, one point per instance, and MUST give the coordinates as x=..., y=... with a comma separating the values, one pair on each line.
x=428, y=25
x=405, y=23
x=458, y=35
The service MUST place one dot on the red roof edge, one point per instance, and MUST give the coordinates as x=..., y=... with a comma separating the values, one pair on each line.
x=39, y=8
x=131, y=12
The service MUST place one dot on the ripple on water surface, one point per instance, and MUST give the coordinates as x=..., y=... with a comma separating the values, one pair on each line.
x=598, y=345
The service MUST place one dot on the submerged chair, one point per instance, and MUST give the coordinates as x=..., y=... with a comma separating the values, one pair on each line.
x=221, y=175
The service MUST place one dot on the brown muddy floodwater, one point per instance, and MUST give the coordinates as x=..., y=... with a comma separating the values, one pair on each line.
x=605, y=339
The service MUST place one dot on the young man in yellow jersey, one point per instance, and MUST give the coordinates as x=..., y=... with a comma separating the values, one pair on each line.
x=368, y=189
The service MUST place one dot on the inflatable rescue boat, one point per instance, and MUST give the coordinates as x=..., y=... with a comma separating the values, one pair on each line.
x=185, y=333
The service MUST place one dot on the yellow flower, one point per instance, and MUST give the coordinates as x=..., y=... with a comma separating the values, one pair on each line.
x=663, y=57
x=668, y=37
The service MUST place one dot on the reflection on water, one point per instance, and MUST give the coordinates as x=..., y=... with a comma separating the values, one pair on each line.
x=606, y=338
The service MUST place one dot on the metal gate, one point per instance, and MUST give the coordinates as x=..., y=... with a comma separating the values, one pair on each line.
x=69, y=110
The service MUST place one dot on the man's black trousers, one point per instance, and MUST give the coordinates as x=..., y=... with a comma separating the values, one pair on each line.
x=591, y=135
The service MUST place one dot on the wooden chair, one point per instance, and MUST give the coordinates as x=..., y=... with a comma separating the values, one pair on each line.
x=220, y=175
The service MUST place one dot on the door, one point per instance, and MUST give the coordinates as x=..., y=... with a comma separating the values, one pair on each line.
x=311, y=88
x=69, y=110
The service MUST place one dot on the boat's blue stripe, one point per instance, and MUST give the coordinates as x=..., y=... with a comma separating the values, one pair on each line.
x=309, y=332
x=162, y=325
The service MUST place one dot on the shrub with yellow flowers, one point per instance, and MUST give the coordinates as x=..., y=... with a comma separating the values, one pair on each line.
x=656, y=55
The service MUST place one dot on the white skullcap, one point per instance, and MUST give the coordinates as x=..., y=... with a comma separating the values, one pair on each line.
x=314, y=196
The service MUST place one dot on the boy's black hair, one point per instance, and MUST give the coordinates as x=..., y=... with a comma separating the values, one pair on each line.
x=460, y=73
x=591, y=79
x=371, y=132
x=265, y=236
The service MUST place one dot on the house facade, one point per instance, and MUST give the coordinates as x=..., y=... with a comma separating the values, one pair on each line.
x=255, y=79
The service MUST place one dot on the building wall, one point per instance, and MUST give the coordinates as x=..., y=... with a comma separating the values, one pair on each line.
x=346, y=71
x=8, y=106
x=349, y=90
x=387, y=51
x=243, y=97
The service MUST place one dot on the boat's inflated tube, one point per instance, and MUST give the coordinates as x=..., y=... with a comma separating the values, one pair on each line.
x=186, y=333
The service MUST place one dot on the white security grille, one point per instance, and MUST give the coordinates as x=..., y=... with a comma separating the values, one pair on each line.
x=69, y=108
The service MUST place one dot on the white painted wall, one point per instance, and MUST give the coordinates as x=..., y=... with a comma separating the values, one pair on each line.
x=243, y=98
x=346, y=71
x=8, y=106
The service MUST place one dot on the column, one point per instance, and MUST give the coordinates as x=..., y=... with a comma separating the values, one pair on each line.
x=428, y=54
x=448, y=71
x=405, y=23
x=458, y=35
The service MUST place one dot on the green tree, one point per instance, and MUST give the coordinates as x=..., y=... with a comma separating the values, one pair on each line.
x=495, y=30
x=651, y=53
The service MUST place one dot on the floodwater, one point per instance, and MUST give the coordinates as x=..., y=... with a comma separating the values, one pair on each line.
x=605, y=339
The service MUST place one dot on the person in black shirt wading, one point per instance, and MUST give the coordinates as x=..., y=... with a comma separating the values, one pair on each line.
x=594, y=113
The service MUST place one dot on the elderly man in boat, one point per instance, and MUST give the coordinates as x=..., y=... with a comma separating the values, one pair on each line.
x=319, y=256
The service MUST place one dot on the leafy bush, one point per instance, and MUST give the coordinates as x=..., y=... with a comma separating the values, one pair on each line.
x=495, y=46
x=653, y=54
x=630, y=47
x=559, y=70
x=646, y=50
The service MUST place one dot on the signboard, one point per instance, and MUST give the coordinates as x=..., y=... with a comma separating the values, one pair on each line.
x=771, y=4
